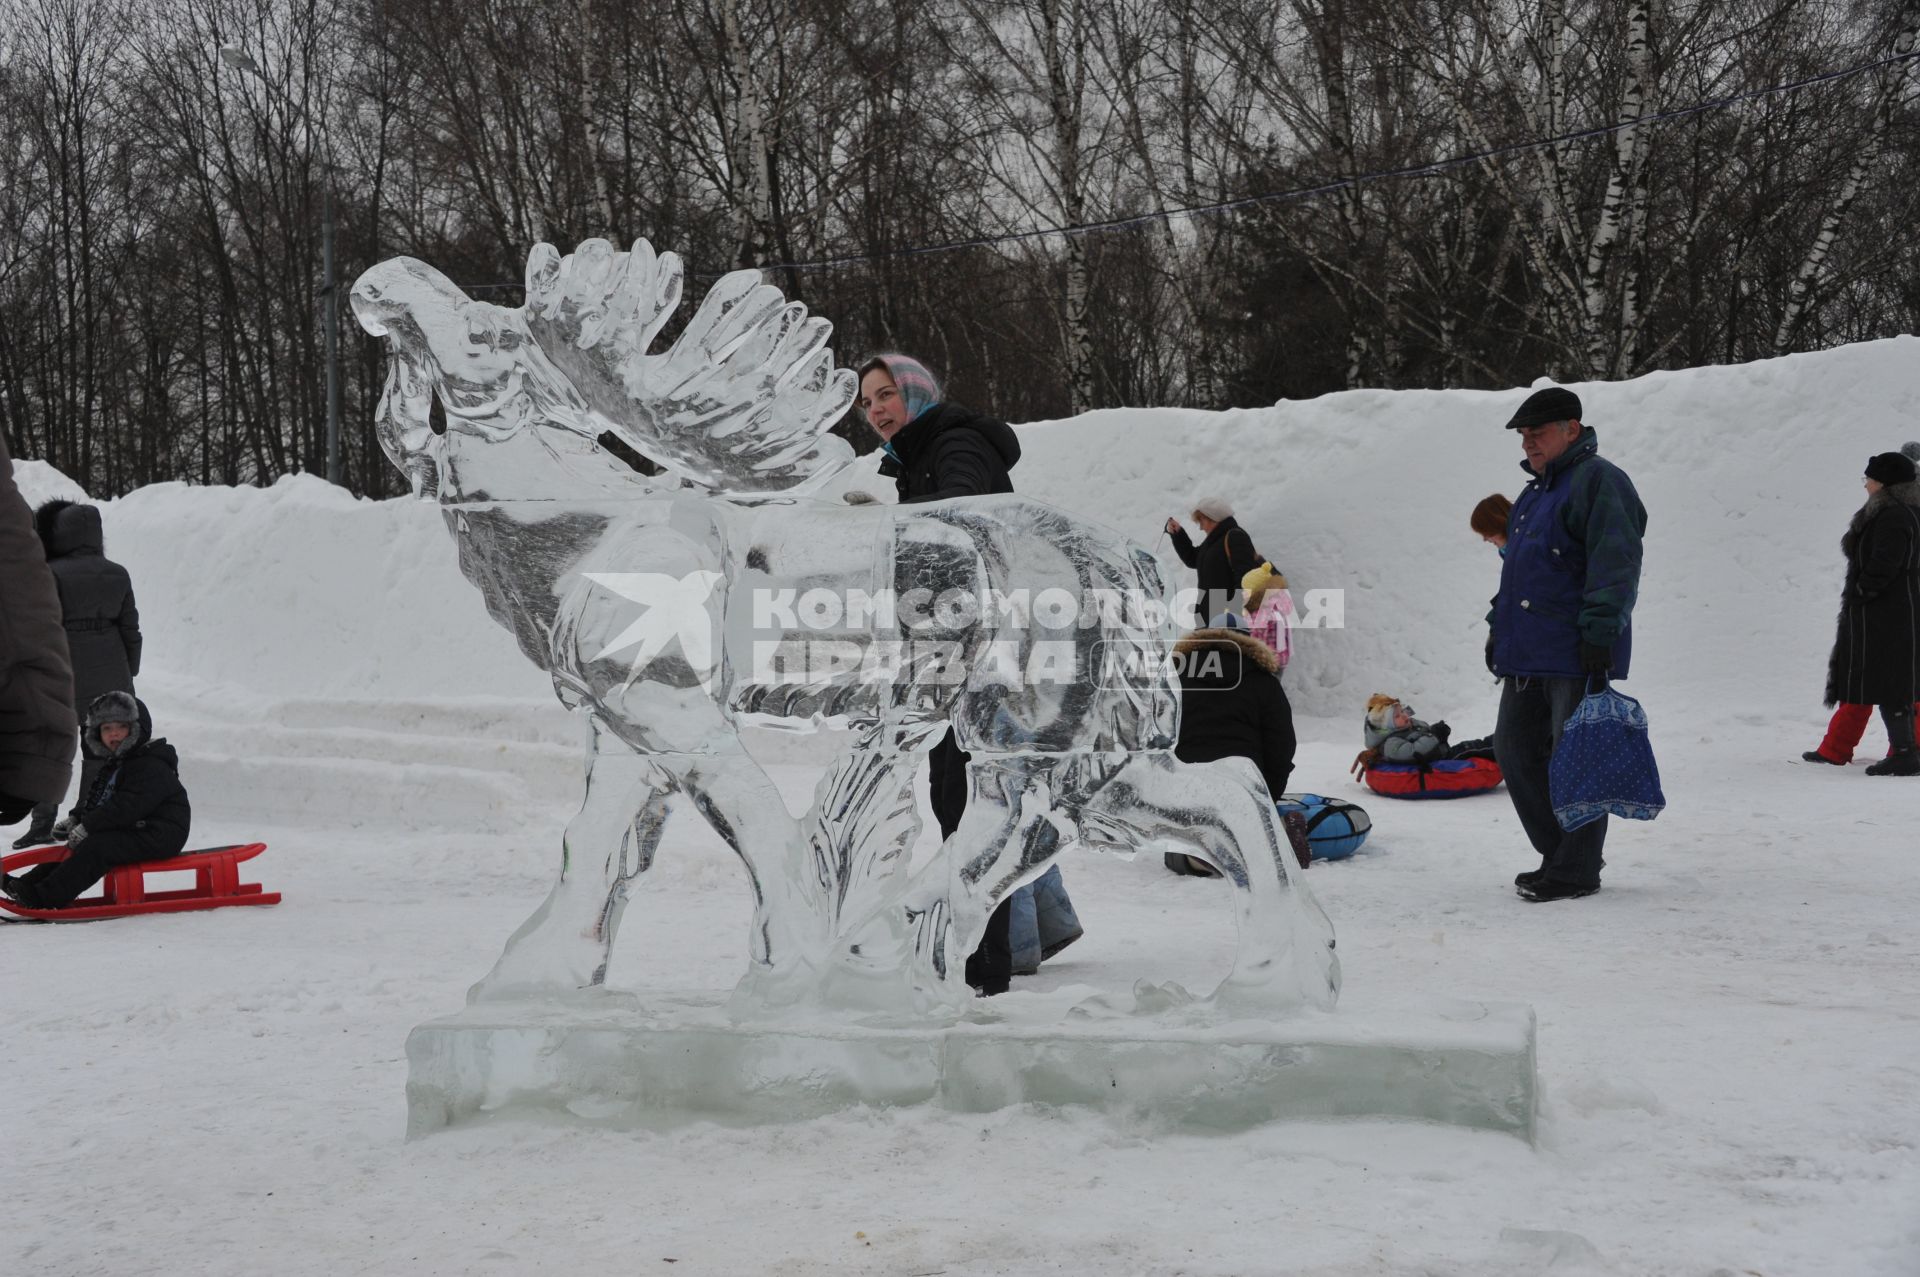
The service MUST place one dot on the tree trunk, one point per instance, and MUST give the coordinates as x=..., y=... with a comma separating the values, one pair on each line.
x=750, y=173
x=1065, y=89
x=1801, y=291
x=1606, y=335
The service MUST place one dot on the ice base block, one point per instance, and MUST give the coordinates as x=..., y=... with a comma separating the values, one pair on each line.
x=613, y=1060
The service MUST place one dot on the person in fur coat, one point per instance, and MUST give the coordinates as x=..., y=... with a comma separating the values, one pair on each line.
x=1849, y=721
x=1231, y=706
x=1876, y=650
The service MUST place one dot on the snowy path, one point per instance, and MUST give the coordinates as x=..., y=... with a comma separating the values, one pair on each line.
x=1728, y=1046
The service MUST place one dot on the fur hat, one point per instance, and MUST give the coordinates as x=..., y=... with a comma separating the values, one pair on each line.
x=1890, y=468
x=112, y=707
x=1215, y=508
x=1911, y=451
x=1380, y=709
x=1544, y=407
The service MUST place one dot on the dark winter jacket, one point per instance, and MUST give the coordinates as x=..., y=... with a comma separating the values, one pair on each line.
x=1232, y=706
x=139, y=789
x=1221, y=560
x=1876, y=654
x=37, y=718
x=1571, y=573
x=950, y=451
x=96, y=601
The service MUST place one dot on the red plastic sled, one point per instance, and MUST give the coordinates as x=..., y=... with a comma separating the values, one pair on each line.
x=216, y=884
x=1452, y=779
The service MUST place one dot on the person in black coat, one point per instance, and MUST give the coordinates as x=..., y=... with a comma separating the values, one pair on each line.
x=936, y=451
x=1225, y=555
x=1232, y=706
x=102, y=627
x=1876, y=652
x=37, y=721
x=137, y=809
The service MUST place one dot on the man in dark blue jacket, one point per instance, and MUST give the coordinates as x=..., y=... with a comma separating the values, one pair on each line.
x=1563, y=617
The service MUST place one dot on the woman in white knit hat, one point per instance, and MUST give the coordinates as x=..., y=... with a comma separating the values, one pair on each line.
x=1221, y=559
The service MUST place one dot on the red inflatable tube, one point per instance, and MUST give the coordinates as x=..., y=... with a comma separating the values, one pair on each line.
x=1454, y=779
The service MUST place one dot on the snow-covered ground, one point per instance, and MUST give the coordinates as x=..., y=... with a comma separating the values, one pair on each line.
x=1729, y=1050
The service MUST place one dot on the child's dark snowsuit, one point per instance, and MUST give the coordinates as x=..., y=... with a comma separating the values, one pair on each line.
x=137, y=809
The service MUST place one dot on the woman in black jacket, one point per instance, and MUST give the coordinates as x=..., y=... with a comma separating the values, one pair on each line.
x=1224, y=556
x=1232, y=706
x=938, y=451
x=1876, y=654
x=137, y=809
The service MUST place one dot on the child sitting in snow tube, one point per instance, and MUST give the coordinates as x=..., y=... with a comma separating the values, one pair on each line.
x=1335, y=829
x=1407, y=758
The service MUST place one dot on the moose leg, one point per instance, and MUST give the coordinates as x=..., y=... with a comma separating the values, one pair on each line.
x=739, y=800
x=1004, y=839
x=609, y=842
x=1221, y=813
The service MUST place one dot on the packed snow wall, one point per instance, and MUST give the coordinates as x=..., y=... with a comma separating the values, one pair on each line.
x=1749, y=474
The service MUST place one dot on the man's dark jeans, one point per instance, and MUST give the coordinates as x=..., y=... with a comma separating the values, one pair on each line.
x=1532, y=713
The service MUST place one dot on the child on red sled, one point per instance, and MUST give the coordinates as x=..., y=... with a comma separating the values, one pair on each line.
x=137, y=809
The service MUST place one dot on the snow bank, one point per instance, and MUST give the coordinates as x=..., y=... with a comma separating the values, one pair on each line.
x=299, y=590
x=1749, y=474
x=40, y=482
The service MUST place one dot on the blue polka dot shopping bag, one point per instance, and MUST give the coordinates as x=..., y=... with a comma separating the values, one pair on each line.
x=1604, y=764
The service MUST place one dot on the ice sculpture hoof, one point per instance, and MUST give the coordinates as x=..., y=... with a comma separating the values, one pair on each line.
x=492, y=992
x=1264, y=994
x=767, y=990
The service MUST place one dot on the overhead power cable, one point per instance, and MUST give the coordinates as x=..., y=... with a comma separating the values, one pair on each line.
x=1433, y=168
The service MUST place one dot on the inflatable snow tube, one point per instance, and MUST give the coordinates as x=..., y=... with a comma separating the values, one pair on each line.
x=1335, y=829
x=1455, y=778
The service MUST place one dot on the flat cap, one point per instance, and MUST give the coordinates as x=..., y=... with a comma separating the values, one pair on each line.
x=1544, y=407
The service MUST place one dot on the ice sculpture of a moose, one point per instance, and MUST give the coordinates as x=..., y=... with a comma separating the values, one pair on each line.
x=647, y=600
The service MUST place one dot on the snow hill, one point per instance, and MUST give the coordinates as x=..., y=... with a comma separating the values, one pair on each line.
x=299, y=602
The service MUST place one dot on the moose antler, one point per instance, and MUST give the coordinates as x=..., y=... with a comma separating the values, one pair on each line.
x=741, y=402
